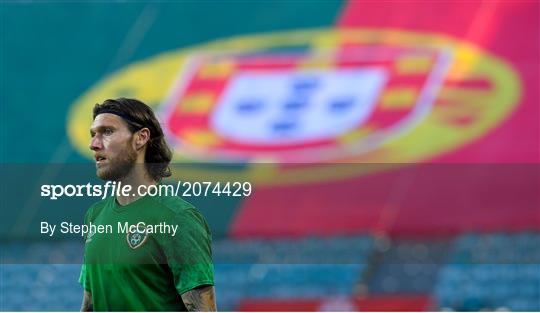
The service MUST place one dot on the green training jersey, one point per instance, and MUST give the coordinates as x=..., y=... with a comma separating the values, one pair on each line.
x=144, y=255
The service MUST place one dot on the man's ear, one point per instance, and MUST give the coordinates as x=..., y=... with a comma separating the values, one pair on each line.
x=141, y=138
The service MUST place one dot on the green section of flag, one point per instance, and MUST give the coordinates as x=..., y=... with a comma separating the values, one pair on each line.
x=53, y=52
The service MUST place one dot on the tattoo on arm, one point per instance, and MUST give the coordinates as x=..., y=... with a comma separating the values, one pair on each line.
x=200, y=299
x=86, y=305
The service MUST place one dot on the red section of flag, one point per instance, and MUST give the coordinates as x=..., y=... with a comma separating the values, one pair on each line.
x=420, y=200
x=429, y=200
x=508, y=29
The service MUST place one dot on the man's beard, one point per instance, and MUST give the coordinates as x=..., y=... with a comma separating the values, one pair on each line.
x=120, y=167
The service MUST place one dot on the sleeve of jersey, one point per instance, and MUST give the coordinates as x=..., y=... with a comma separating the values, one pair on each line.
x=188, y=252
x=83, y=277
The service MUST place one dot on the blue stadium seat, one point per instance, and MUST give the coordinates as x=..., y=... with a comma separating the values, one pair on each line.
x=289, y=268
x=492, y=271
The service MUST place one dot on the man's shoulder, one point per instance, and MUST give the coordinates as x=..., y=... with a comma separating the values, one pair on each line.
x=173, y=204
x=96, y=208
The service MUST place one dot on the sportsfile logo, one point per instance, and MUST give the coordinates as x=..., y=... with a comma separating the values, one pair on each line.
x=116, y=189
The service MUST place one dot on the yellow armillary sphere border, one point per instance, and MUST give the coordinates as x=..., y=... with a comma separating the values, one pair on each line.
x=151, y=79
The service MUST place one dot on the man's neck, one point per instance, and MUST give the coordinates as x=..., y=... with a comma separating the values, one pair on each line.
x=135, y=179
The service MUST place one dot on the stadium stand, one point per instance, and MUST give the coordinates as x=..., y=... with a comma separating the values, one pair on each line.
x=492, y=271
x=409, y=266
x=469, y=272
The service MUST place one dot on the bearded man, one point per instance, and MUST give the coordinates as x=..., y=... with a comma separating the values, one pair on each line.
x=141, y=270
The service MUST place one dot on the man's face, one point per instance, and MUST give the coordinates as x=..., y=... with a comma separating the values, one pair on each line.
x=112, y=143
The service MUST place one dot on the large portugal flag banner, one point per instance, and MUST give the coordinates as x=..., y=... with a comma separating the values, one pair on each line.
x=403, y=117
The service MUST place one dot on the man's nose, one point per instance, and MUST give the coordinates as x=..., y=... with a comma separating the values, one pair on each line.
x=95, y=144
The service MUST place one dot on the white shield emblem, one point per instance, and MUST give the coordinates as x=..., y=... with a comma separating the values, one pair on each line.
x=292, y=107
x=137, y=238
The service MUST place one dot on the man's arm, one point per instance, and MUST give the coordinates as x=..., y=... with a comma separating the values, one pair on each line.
x=86, y=305
x=200, y=299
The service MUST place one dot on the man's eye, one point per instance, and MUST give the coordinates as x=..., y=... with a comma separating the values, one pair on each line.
x=108, y=131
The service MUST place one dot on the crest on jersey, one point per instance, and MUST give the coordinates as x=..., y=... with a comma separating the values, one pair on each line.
x=136, y=238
